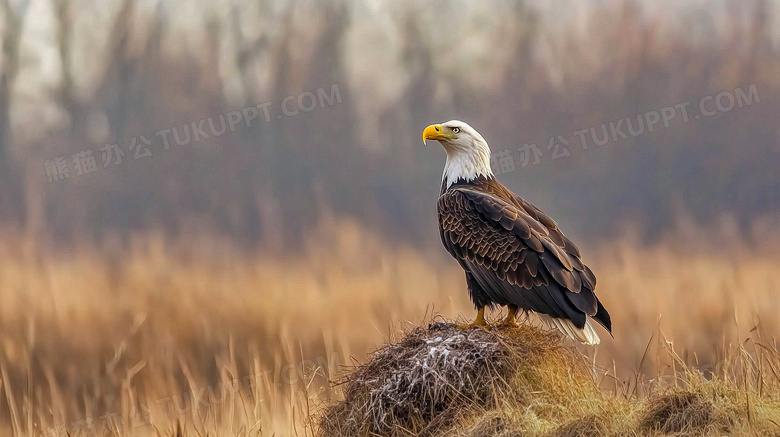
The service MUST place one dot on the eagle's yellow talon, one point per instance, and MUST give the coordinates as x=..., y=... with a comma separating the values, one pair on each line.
x=509, y=322
x=479, y=323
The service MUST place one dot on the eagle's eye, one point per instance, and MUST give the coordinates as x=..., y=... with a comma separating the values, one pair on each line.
x=456, y=130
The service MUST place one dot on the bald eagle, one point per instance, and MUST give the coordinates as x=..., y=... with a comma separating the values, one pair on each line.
x=513, y=254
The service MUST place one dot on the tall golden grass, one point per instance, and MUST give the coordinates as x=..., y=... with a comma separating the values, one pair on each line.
x=144, y=335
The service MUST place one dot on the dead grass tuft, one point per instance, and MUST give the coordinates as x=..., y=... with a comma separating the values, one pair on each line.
x=492, y=425
x=588, y=426
x=679, y=412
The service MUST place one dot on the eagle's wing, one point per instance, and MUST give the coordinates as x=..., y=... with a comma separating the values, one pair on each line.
x=518, y=255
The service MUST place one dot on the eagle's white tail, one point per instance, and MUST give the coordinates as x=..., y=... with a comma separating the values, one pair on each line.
x=586, y=335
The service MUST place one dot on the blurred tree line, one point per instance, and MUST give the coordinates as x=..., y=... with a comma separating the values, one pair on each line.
x=78, y=75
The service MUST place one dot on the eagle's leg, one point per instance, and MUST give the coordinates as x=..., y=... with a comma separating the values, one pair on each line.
x=480, y=322
x=509, y=322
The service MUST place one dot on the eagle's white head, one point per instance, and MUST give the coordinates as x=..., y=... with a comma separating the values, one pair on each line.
x=468, y=154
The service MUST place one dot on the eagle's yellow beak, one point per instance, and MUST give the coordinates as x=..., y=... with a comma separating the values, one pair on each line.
x=436, y=132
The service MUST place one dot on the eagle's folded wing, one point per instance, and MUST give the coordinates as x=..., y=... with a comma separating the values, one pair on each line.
x=518, y=255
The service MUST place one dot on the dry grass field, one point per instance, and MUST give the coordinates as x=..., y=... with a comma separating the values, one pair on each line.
x=147, y=335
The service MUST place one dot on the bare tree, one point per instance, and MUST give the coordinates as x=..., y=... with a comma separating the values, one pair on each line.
x=9, y=60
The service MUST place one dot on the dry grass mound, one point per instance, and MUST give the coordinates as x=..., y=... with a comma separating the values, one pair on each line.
x=434, y=378
x=443, y=381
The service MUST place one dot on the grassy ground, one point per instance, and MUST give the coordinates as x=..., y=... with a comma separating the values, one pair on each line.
x=135, y=338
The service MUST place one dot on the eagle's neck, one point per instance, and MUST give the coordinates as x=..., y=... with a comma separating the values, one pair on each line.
x=486, y=183
x=467, y=165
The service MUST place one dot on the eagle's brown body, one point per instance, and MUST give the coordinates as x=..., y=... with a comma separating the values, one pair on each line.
x=514, y=254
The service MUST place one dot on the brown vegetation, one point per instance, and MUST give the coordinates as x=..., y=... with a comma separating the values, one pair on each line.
x=171, y=326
